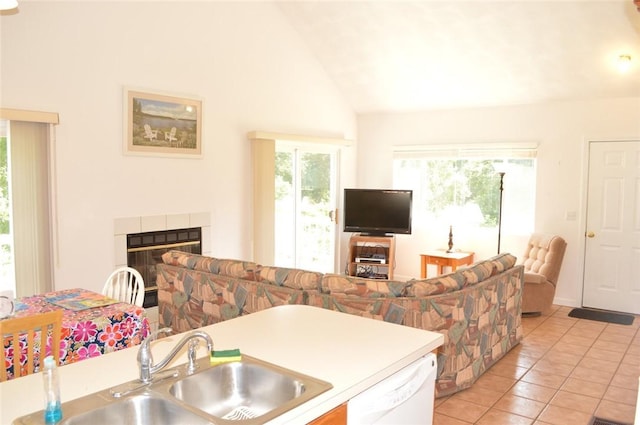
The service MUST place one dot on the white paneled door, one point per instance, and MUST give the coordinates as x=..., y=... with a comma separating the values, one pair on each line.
x=612, y=236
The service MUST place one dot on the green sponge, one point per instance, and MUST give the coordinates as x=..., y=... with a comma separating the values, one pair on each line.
x=225, y=356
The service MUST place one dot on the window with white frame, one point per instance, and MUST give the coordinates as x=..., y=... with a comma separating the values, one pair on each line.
x=459, y=185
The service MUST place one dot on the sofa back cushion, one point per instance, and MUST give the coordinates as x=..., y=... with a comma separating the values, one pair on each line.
x=290, y=278
x=484, y=269
x=436, y=285
x=477, y=272
x=368, y=288
x=233, y=268
x=502, y=262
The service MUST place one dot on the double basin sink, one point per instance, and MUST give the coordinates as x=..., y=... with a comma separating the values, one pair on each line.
x=246, y=392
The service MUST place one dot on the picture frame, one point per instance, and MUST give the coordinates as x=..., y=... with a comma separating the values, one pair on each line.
x=161, y=124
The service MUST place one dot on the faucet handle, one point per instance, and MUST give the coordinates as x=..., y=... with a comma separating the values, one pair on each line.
x=191, y=356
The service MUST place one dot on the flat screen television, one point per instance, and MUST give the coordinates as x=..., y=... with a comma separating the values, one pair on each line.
x=377, y=211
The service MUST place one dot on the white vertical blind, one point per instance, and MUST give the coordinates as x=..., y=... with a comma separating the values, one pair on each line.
x=264, y=198
x=29, y=153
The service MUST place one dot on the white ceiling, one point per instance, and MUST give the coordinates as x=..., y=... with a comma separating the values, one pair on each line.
x=387, y=55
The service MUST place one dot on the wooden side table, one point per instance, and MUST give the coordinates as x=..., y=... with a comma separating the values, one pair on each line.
x=443, y=259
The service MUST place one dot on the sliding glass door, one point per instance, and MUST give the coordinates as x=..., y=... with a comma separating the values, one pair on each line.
x=7, y=271
x=305, y=192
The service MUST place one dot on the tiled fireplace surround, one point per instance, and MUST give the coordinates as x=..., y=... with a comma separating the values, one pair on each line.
x=129, y=225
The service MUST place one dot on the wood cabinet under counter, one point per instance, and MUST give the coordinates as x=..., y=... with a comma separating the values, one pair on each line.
x=337, y=416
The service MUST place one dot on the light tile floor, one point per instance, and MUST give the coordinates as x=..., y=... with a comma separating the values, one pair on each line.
x=563, y=372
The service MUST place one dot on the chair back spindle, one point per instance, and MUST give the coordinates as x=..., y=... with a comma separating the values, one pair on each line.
x=38, y=328
x=125, y=284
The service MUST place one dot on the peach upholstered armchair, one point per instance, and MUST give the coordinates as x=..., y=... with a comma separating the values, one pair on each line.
x=542, y=261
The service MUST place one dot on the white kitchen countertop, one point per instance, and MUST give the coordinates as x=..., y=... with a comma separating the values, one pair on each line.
x=350, y=352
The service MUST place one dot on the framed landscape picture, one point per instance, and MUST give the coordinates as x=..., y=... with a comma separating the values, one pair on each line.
x=162, y=125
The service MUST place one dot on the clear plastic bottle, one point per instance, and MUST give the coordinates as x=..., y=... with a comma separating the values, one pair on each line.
x=52, y=409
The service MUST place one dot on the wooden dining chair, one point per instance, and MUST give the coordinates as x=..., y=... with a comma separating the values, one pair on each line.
x=125, y=284
x=39, y=325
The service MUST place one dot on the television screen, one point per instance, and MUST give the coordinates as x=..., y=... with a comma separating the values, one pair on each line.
x=377, y=211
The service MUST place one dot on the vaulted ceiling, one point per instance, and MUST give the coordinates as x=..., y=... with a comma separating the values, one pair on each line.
x=387, y=55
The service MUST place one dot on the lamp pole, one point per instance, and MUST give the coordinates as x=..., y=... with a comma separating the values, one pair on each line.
x=500, y=209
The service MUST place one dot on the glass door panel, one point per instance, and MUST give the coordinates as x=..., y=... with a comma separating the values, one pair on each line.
x=7, y=270
x=305, y=202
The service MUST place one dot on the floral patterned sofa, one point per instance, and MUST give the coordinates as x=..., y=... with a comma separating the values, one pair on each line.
x=476, y=308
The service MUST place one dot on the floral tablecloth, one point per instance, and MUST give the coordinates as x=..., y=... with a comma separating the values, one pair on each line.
x=92, y=325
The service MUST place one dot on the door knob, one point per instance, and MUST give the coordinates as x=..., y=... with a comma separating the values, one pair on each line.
x=591, y=234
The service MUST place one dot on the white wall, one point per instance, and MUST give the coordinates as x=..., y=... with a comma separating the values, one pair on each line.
x=561, y=130
x=243, y=59
x=253, y=73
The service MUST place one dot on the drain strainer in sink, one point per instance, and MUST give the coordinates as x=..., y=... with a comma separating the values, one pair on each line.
x=240, y=413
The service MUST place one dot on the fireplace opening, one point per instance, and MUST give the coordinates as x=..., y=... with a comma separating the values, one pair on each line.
x=144, y=251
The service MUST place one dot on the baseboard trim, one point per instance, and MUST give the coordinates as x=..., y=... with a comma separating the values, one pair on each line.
x=567, y=302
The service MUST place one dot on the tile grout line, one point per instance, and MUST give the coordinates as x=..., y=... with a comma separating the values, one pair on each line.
x=607, y=385
x=547, y=351
x=556, y=390
x=629, y=345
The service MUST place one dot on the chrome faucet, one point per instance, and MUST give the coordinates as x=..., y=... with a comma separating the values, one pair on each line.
x=145, y=359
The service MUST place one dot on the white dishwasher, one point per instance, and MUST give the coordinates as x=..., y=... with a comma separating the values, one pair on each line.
x=404, y=398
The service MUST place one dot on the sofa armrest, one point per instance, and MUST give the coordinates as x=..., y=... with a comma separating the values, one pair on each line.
x=530, y=277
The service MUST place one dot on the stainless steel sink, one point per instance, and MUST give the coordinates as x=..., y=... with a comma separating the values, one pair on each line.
x=138, y=410
x=248, y=392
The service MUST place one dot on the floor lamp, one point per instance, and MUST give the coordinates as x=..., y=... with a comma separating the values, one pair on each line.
x=500, y=209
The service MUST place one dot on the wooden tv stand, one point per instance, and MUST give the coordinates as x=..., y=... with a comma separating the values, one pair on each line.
x=372, y=257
